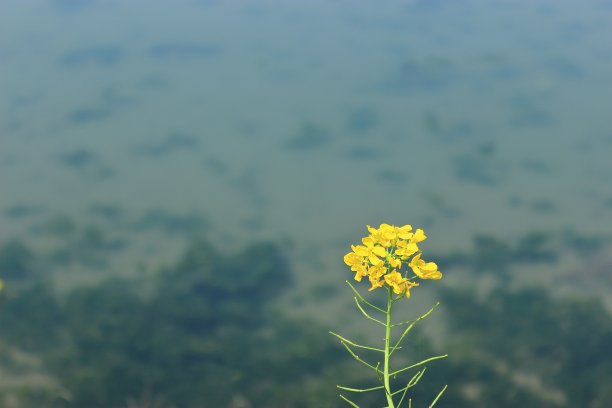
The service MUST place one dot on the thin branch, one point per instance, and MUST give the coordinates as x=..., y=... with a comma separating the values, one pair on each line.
x=417, y=377
x=413, y=381
x=349, y=401
x=359, y=359
x=379, y=373
x=418, y=364
x=367, y=315
x=355, y=344
x=438, y=397
x=403, y=323
x=359, y=390
x=397, y=343
x=363, y=299
x=411, y=326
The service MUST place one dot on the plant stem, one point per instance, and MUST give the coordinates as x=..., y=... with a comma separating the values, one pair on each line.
x=387, y=353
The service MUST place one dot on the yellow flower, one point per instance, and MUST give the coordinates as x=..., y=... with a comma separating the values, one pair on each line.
x=381, y=235
x=376, y=284
x=395, y=280
x=418, y=236
x=409, y=285
x=424, y=270
x=358, y=264
x=404, y=232
x=387, y=235
x=360, y=273
x=353, y=260
x=377, y=271
x=399, y=284
x=1, y=285
x=375, y=274
x=395, y=262
x=405, y=249
x=370, y=250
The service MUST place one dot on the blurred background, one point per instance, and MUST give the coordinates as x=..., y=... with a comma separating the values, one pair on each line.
x=179, y=182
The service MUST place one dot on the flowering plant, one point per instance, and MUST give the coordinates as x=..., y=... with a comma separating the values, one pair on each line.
x=382, y=258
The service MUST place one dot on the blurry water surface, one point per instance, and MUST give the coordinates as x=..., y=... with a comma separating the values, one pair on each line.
x=129, y=128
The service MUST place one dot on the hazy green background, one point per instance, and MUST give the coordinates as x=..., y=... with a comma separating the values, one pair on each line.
x=153, y=143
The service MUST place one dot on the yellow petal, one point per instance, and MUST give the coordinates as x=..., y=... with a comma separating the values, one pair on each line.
x=368, y=241
x=404, y=232
x=393, y=278
x=361, y=250
x=419, y=236
x=380, y=251
x=395, y=263
x=349, y=258
x=374, y=260
x=434, y=275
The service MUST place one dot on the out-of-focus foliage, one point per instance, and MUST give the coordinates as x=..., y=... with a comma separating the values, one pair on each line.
x=206, y=334
x=16, y=260
x=526, y=349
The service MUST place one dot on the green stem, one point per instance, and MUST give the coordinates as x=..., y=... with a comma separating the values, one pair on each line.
x=387, y=353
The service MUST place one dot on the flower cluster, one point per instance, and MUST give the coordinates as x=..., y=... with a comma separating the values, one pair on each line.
x=382, y=255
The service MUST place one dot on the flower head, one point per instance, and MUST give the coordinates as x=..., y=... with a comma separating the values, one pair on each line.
x=382, y=256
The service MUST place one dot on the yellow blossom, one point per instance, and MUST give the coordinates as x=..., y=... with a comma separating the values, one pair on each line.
x=375, y=275
x=354, y=261
x=387, y=235
x=407, y=286
x=424, y=270
x=376, y=284
x=395, y=280
x=405, y=249
x=360, y=273
x=358, y=264
x=395, y=262
x=381, y=235
x=370, y=250
x=418, y=236
x=377, y=271
x=404, y=232
x=399, y=284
